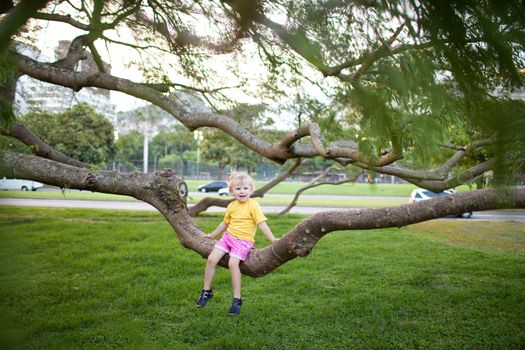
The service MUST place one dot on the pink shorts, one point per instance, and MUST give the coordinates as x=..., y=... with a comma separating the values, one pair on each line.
x=238, y=248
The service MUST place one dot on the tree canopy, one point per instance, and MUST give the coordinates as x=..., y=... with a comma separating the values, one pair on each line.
x=79, y=132
x=426, y=91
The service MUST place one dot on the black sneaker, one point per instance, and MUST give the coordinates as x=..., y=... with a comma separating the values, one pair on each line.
x=205, y=296
x=235, y=309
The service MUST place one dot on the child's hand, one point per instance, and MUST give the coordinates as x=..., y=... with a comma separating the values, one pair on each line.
x=210, y=236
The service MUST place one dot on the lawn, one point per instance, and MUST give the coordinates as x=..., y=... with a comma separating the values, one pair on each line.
x=88, y=279
x=348, y=189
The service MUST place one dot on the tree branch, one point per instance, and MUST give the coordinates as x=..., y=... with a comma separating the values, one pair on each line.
x=374, y=56
x=305, y=187
x=306, y=50
x=62, y=18
x=166, y=192
x=39, y=147
x=341, y=151
x=74, y=54
x=207, y=202
x=313, y=184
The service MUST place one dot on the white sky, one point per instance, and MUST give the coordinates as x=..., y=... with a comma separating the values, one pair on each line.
x=119, y=57
x=55, y=31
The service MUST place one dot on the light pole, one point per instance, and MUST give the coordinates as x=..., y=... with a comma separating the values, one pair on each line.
x=198, y=136
x=155, y=161
x=146, y=150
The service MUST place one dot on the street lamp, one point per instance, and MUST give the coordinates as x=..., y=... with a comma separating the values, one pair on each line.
x=198, y=136
x=155, y=161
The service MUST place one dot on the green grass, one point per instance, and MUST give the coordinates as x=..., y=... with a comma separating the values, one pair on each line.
x=349, y=189
x=88, y=279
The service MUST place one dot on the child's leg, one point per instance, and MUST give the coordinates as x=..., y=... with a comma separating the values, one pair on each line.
x=212, y=261
x=235, y=271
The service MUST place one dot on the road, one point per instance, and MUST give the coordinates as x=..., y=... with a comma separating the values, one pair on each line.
x=493, y=215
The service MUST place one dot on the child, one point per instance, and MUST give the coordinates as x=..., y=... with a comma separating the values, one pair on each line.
x=241, y=220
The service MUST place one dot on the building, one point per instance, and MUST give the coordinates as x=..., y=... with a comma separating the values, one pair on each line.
x=33, y=95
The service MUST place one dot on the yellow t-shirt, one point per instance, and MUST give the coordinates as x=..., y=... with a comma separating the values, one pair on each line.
x=242, y=219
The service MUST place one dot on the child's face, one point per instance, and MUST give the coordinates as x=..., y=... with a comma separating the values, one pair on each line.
x=241, y=191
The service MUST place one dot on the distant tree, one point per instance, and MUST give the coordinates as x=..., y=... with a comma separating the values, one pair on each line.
x=172, y=161
x=224, y=150
x=130, y=149
x=79, y=132
x=176, y=140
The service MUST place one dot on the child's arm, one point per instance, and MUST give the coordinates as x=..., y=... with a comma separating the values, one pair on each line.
x=263, y=226
x=220, y=229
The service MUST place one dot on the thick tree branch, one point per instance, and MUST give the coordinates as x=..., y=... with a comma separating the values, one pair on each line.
x=276, y=152
x=459, y=179
x=430, y=180
x=294, y=136
x=167, y=193
x=78, y=80
x=342, y=151
x=461, y=153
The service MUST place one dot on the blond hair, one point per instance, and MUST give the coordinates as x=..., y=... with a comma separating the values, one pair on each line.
x=240, y=178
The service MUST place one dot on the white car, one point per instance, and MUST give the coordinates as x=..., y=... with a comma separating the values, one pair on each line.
x=224, y=192
x=420, y=194
x=17, y=184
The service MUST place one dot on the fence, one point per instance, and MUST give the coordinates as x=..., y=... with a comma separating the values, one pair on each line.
x=193, y=170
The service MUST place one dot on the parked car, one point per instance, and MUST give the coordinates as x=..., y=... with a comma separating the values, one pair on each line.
x=224, y=192
x=17, y=184
x=213, y=186
x=420, y=194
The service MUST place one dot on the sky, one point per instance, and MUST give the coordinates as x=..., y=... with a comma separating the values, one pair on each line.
x=119, y=57
x=54, y=31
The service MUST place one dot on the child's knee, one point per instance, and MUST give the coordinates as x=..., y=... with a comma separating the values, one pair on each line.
x=211, y=261
x=233, y=263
